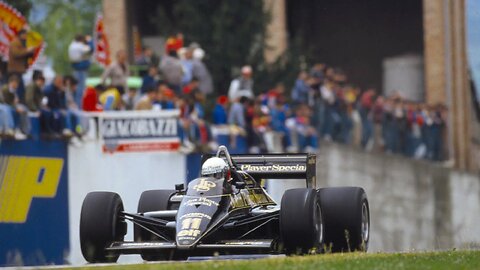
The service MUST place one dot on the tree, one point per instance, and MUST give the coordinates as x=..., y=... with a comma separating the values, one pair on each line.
x=64, y=19
x=23, y=6
x=231, y=32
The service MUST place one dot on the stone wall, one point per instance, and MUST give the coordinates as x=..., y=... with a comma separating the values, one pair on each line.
x=415, y=205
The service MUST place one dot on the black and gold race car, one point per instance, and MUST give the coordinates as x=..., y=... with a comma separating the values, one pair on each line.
x=231, y=215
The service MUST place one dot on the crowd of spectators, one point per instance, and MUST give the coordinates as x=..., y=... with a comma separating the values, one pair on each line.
x=322, y=104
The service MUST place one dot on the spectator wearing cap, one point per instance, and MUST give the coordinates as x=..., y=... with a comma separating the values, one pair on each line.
x=34, y=93
x=200, y=71
x=79, y=52
x=243, y=85
x=117, y=72
x=18, y=55
x=220, y=116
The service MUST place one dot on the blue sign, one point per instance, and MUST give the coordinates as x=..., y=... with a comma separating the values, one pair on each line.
x=33, y=202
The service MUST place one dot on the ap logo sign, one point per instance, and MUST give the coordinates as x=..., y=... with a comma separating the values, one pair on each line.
x=25, y=178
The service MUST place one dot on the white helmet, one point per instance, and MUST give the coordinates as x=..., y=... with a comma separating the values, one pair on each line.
x=215, y=167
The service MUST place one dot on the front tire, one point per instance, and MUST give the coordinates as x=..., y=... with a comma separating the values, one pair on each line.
x=100, y=226
x=301, y=222
x=347, y=218
x=152, y=200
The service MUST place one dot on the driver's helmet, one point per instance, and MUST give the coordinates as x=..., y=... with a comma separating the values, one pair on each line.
x=215, y=167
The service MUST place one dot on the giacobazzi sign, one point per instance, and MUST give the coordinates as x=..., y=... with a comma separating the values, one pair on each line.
x=139, y=131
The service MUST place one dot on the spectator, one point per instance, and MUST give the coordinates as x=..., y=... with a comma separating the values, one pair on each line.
x=34, y=93
x=242, y=86
x=306, y=134
x=165, y=97
x=172, y=70
x=79, y=120
x=187, y=65
x=366, y=105
x=91, y=101
x=236, y=115
x=220, y=111
x=55, y=119
x=300, y=89
x=70, y=84
x=328, y=97
x=117, y=72
x=148, y=58
x=18, y=55
x=14, y=113
x=130, y=99
x=150, y=79
x=260, y=125
x=191, y=87
x=110, y=99
x=200, y=71
x=174, y=43
x=279, y=115
x=79, y=52
x=147, y=100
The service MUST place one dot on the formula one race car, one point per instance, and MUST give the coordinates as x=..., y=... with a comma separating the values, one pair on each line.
x=227, y=211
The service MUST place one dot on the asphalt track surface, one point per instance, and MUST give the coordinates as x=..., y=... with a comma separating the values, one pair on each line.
x=189, y=260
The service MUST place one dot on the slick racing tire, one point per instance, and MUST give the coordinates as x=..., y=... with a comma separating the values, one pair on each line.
x=152, y=200
x=100, y=226
x=347, y=218
x=301, y=222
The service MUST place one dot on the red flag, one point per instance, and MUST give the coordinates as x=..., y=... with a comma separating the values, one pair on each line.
x=137, y=43
x=102, y=49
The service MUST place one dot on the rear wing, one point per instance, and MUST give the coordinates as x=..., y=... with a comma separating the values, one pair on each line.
x=277, y=166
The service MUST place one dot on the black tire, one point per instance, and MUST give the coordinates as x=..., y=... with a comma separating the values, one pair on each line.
x=301, y=221
x=100, y=226
x=347, y=218
x=152, y=200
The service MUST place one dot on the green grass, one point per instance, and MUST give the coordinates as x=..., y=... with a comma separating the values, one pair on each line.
x=423, y=260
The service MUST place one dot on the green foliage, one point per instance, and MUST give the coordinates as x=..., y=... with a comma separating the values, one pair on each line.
x=231, y=32
x=64, y=20
x=23, y=6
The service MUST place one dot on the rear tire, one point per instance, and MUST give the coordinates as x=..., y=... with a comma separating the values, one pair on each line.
x=152, y=200
x=301, y=221
x=347, y=218
x=100, y=226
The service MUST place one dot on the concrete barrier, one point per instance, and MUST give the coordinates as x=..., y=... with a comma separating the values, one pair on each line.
x=415, y=205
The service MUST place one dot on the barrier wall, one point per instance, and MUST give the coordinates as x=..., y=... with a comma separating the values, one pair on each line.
x=415, y=205
x=34, y=227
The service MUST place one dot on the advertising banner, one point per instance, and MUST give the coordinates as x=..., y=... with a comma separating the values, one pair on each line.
x=33, y=203
x=144, y=131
